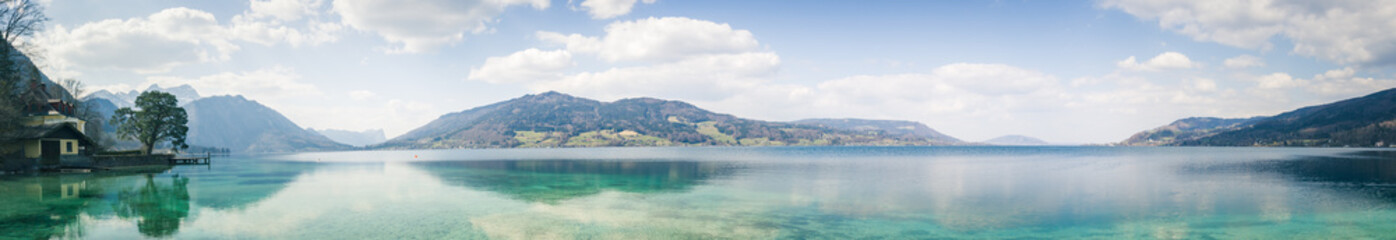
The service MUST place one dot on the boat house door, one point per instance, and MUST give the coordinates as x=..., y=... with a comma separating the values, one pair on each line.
x=50, y=153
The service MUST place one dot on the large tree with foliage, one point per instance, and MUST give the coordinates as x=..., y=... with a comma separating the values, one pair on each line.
x=156, y=119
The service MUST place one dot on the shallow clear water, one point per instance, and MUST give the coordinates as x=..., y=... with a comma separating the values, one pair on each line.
x=738, y=193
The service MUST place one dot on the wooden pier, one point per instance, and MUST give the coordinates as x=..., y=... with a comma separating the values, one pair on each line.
x=206, y=159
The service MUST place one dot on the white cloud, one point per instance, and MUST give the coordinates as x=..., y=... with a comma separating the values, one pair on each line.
x=154, y=44
x=1166, y=60
x=167, y=39
x=1337, y=73
x=1344, y=83
x=423, y=25
x=1352, y=87
x=263, y=84
x=678, y=57
x=1362, y=32
x=573, y=42
x=285, y=10
x=604, y=9
x=960, y=87
x=527, y=65
x=361, y=94
x=1278, y=80
x=704, y=77
x=268, y=22
x=1202, y=85
x=265, y=32
x=1244, y=61
x=1331, y=85
x=659, y=39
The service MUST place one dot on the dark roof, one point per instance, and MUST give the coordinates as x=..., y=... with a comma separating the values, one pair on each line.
x=55, y=130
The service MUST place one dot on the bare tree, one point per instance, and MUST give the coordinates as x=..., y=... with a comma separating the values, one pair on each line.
x=96, y=120
x=74, y=87
x=20, y=18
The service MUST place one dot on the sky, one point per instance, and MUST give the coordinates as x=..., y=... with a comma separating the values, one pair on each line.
x=1062, y=71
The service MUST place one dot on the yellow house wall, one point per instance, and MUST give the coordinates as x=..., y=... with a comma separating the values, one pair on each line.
x=63, y=144
x=31, y=149
x=49, y=119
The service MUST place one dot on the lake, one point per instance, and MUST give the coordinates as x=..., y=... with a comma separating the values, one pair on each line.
x=737, y=193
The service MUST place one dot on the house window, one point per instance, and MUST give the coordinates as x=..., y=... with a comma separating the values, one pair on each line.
x=69, y=147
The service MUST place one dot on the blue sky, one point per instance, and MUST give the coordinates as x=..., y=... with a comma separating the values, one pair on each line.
x=1069, y=72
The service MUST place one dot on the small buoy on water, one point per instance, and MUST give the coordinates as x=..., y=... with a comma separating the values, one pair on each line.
x=414, y=156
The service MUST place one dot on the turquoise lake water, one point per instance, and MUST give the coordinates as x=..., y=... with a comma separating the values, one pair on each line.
x=726, y=193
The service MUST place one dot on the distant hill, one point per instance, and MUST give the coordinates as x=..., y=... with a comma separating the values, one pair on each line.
x=243, y=125
x=219, y=116
x=104, y=110
x=887, y=127
x=356, y=138
x=1016, y=140
x=558, y=120
x=184, y=93
x=1365, y=121
x=27, y=72
x=1188, y=129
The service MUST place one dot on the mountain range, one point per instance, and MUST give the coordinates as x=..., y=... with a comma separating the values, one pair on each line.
x=223, y=122
x=356, y=138
x=906, y=129
x=559, y=120
x=185, y=93
x=1367, y=121
x=1015, y=140
x=554, y=119
x=243, y=125
x=1188, y=129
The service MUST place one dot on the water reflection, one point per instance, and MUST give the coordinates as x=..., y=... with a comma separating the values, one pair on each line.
x=159, y=208
x=1218, y=193
x=235, y=183
x=761, y=193
x=551, y=181
x=1365, y=168
x=155, y=200
x=1370, y=173
x=51, y=205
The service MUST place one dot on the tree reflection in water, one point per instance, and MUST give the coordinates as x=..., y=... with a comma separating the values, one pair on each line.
x=551, y=181
x=1370, y=173
x=159, y=208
